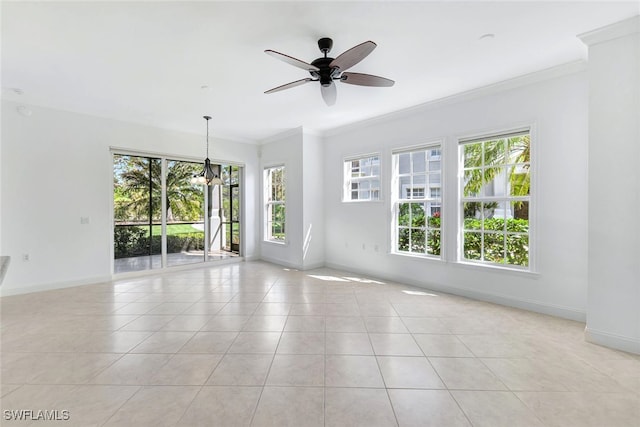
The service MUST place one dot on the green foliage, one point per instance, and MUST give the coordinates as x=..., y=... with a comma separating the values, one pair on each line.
x=131, y=241
x=514, y=250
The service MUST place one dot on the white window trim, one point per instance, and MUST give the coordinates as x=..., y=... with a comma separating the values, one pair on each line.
x=265, y=201
x=346, y=181
x=395, y=200
x=532, y=268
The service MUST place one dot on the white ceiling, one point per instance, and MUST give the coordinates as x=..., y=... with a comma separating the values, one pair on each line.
x=146, y=62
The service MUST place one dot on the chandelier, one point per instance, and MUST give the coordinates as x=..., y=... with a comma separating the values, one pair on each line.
x=208, y=176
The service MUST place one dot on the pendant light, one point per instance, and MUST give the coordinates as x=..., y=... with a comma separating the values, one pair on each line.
x=207, y=176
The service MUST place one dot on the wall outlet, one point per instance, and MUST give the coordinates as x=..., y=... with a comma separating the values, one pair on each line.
x=364, y=247
x=84, y=220
x=375, y=248
x=25, y=257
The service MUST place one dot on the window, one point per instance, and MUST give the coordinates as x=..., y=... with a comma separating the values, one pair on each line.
x=417, y=201
x=495, y=199
x=362, y=178
x=274, y=196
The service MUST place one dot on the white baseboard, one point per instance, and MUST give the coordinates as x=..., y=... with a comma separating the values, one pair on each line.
x=535, y=306
x=606, y=339
x=5, y=292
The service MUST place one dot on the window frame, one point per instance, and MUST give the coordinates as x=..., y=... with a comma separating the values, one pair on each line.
x=507, y=199
x=399, y=198
x=348, y=180
x=268, y=204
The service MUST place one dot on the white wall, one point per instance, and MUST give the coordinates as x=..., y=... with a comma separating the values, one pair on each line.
x=613, y=316
x=56, y=168
x=285, y=149
x=358, y=234
x=313, y=207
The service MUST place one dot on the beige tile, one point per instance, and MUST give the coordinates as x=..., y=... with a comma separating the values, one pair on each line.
x=265, y=323
x=442, y=345
x=301, y=343
x=394, y=345
x=209, y=342
x=305, y=324
x=464, y=373
x=170, y=308
x=56, y=368
x=352, y=371
x=110, y=342
x=425, y=325
x=364, y=407
x=154, y=406
x=585, y=409
x=495, y=409
x=137, y=308
x=408, y=372
x=342, y=309
x=186, y=369
x=186, y=323
x=239, y=308
x=290, y=406
x=345, y=324
x=222, y=406
x=427, y=408
x=204, y=309
x=255, y=342
x=348, y=343
x=273, y=309
x=296, y=370
x=148, y=323
x=132, y=369
x=225, y=323
x=385, y=325
x=311, y=309
x=241, y=370
x=163, y=342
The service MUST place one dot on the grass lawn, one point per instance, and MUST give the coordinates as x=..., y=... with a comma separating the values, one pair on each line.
x=173, y=229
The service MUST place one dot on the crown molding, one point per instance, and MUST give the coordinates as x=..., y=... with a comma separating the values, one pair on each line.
x=611, y=32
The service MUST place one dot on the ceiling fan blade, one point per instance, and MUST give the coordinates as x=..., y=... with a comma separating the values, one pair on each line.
x=354, y=55
x=329, y=94
x=291, y=60
x=365, y=80
x=289, y=85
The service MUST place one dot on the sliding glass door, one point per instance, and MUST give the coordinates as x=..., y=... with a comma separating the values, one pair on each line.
x=161, y=219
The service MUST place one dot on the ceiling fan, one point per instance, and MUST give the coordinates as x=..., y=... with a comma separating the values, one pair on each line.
x=326, y=69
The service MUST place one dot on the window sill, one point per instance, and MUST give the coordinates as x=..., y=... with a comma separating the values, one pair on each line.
x=496, y=268
x=418, y=256
x=276, y=242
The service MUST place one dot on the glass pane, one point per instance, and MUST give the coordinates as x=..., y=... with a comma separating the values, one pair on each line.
x=403, y=239
x=354, y=195
x=405, y=187
x=519, y=149
x=494, y=213
x=404, y=163
x=434, y=220
x=185, y=214
x=418, y=243
x=365, y=185
x=520, y=211
x=366, y=170
x=518, y=249
x=434, y=165
x=419, y=187
x=235, y=204
x=417, y=215
x=433, y=242
x=235, y=174
x=495, y=152
x=137, y=207
x=404, y=216
x=473, y=155
x=472, y=182
x=494, y=247
x=519, y=180
x=472, y=246
x=375, y=184
x=492, y=183
x=472, y=212
x=418, y=162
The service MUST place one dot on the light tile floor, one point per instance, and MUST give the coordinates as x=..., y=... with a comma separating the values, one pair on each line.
x=256, y=344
